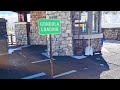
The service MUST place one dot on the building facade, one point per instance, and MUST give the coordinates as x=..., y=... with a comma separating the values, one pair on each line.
x=74, y=31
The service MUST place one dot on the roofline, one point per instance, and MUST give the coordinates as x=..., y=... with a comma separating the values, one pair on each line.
x=22, y=11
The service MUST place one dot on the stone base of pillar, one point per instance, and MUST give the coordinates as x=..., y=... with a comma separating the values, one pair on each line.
x=3, y=37
x=3, y=47
x=22, y=33
x=61, y=43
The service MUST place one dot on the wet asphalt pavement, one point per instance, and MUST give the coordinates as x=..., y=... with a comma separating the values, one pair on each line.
x=19, y=64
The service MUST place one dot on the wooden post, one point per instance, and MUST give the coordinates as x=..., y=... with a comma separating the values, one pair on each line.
x=51, y=61
x=11, y=39
x=22, y=16
x=99, y=22
x=90, y=18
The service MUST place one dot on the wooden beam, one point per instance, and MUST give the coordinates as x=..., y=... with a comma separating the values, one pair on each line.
x=28, y=12
x=99, y=22
x=90, y=19
x=22, y=16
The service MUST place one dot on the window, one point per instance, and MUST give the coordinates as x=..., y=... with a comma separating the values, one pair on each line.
x=84, y=17
x=95, y=22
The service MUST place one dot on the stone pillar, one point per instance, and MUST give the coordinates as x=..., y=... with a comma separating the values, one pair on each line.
x=96, y=45
x=62, y=43
x=99, y=20
x=3, y=37
x=35, y=38
x=95, y=41
x=22, y=33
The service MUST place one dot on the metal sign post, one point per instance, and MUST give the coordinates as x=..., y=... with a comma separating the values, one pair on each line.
x=49, y=27
x=51, y=61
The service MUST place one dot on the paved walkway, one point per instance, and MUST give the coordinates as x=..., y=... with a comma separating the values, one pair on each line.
x=111, y=54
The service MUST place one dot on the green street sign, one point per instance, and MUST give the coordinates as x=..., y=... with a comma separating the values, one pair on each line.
x=49, y=26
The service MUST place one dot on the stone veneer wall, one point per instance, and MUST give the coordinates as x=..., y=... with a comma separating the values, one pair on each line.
x=3, y=46
x=111, y=33
x=96, y=44
x=62, y=43
x=80, y=44
x=21, y=32
x=3, y=36
x=3, y=31
x=35, y=38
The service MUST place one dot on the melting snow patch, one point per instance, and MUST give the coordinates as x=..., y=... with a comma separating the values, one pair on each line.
x=10, y=51
x=79, y=57
x=102, y=65
x=17, y=48
x=96, y=53
x=11, y=45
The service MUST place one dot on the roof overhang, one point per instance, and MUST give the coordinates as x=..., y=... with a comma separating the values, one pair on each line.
x=27, y=12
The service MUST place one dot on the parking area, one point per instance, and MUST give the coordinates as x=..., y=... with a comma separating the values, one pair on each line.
x=20, y=64
x=29, y=63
